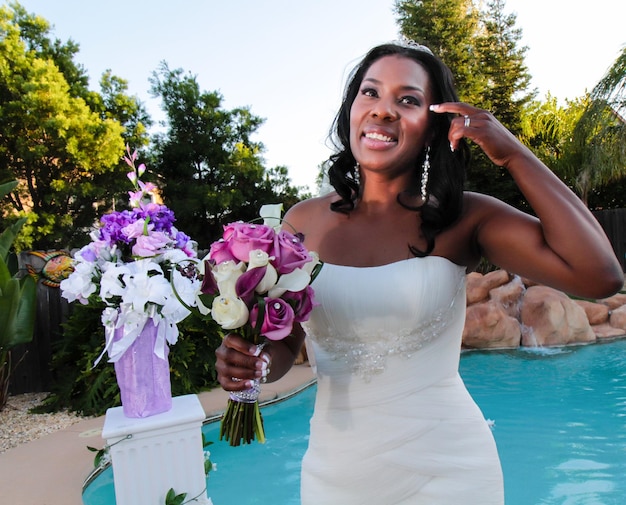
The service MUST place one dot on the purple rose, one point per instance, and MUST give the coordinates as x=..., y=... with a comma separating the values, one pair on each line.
x=302, y=302
x=277, y=321
x=220, y=252
x=290, y=253
x=244, y=237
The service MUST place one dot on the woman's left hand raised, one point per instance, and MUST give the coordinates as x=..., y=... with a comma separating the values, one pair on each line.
x=482, y=128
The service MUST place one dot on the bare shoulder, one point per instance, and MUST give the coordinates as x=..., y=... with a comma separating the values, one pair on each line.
x=303, y=212
x=479, y=209
x=479, y=202
x=482, y=218
x=313, y=218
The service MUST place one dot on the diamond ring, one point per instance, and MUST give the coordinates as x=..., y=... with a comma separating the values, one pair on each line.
x=467, y=121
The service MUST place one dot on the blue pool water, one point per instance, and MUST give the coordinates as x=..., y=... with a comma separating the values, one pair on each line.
x=560, y=426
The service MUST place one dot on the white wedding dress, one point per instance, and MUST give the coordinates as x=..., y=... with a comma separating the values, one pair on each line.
x=393, y=422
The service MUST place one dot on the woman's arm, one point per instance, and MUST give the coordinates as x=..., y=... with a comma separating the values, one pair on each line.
x=564, y=246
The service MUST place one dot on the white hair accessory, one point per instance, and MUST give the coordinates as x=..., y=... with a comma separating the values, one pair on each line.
x=410, y=43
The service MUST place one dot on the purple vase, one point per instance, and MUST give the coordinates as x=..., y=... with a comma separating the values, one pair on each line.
x=143, y=377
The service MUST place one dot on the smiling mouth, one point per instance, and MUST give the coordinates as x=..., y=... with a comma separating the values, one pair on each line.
x=380, y=137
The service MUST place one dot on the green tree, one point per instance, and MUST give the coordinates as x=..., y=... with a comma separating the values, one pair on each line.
x=481, y=48
x=448, y=28
x=209, y=169
x=502, y=66
x=17, y=302
x=36, y=36
x=597, y=155
x=110, y=187
x=62, y=142
x=584, y=142
x=506, y=80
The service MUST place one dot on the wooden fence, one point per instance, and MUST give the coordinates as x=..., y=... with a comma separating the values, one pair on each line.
x=613, y=222
x=34, y=375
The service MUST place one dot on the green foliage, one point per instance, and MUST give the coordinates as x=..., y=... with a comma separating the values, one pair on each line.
x=88, y=390
x=502, y=66
x=174, y=499
x=62, y=141
x=584, y=142
x=448, y=27
x=481, y=48
x=609, y=196
x=179, y=499
x=599, y=138
x=209, y=169
x=18, y=298
x=101, y=455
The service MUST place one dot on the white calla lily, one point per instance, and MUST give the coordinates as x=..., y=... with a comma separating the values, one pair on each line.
x=271, y=214
x=294, y=281
x=258, y=259
x=268, y=281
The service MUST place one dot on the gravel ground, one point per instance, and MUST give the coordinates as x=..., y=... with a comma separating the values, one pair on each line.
x=18, y=425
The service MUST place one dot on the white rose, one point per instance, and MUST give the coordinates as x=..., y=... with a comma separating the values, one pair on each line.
x=258, y=258
x=226, y=275
x=229, y=312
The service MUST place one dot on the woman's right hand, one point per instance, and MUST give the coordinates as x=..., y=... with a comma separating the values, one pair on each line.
x=239, y=363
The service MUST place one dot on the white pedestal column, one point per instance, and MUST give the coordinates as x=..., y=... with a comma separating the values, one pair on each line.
x=156, y=453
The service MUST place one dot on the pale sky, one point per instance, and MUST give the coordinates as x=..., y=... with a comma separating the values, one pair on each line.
x=288, y=59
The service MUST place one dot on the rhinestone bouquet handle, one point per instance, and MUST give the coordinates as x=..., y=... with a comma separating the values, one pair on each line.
x=242, y=420
x=248, y=395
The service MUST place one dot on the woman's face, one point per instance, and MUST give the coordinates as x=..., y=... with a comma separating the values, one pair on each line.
x=389, y=117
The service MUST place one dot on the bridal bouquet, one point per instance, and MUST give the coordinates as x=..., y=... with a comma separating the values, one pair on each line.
x=127, y=267
x=256, y=282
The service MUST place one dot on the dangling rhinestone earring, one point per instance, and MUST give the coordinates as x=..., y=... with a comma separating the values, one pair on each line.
x=425, y=169
x=356, y=174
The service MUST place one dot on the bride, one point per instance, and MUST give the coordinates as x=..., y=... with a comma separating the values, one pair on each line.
x=393, y=422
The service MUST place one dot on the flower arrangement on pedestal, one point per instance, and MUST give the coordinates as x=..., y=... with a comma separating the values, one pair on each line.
x=127, y=267
x=256, y=283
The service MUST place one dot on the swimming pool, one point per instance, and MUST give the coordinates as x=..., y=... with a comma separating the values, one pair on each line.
x=560, y=426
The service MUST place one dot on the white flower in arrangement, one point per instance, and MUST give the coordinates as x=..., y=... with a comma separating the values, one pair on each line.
x=129, y=266
x=145, y=283
x=79, y=286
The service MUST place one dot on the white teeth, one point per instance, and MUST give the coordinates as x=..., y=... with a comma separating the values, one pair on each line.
x=378, y=136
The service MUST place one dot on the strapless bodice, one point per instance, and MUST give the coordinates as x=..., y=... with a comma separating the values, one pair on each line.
x=368, y=314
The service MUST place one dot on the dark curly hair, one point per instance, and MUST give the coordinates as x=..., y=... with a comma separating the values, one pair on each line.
x=447, y=174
